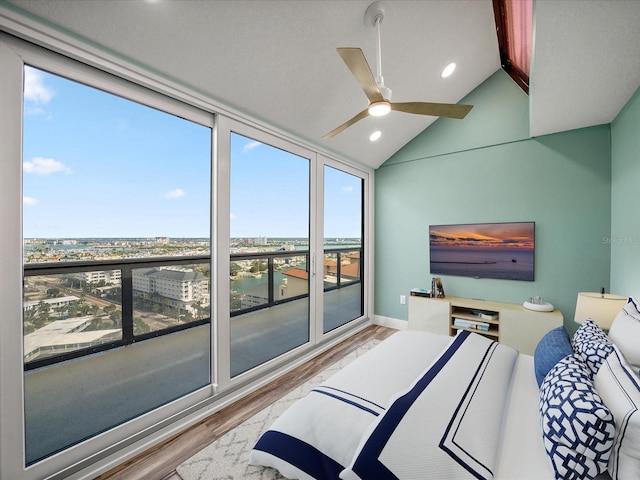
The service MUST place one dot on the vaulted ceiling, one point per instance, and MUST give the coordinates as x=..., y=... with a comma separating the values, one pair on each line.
x=275, y=61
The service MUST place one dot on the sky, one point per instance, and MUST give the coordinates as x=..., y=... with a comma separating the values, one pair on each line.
x=270, y=194
x=96, y=165
x=512, y=236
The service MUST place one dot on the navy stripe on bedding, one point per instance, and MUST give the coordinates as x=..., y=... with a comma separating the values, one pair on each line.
x=367, y=464
x=350, y=399
x=299, y=454
x=351, y=395
x=448, y=442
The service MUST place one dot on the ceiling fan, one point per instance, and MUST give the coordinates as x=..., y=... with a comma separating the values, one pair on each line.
x=374, y=88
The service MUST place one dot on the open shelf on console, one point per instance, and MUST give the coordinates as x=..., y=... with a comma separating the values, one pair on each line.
x=483, y=322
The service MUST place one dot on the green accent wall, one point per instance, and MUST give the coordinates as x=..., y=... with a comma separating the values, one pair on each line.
x=486, y=168
x=625, y=199
x=500, y=114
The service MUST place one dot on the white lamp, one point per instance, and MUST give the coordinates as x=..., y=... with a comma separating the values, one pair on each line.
x=602, y=308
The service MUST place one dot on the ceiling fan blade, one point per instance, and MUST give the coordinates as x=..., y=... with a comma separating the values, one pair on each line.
x=449, y=110
x=357, y=63
x=348, y=123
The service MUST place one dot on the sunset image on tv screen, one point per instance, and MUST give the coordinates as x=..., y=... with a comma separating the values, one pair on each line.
x=483, y=250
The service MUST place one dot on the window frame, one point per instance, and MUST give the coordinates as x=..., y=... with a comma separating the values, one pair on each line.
x=15, y=54
x=91, y=77
x=67, y=56
x=502, y=22
x=366, y=265
x=226, y=126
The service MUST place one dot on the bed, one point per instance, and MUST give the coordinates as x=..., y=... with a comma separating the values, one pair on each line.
x=421, y=405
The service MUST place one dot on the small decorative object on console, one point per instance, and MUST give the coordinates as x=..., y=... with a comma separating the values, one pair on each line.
x=420, y=292
x=437, y=290
x=538, y=304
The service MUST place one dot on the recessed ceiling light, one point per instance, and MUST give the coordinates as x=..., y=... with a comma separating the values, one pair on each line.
x=448, y=70
x=375, y=135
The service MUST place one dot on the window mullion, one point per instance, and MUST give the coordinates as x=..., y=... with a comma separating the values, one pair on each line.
x=127, y=305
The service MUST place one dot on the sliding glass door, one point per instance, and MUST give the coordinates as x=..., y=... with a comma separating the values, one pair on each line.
x=296, y=257
x=161, y=259
x=269, y=252
x=116, y=232
x=343, y=260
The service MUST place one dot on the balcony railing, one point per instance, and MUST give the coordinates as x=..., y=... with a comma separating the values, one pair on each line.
x=72, y=309
x=265, y=279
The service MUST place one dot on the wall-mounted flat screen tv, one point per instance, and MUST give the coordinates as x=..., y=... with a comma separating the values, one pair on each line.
x=483, y=250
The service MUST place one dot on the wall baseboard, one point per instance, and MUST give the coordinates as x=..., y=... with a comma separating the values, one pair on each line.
x=390, y=322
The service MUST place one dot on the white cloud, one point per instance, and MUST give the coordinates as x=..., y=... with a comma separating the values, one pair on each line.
x=232, y=216
x=29, y=201
x=250, y=146
x=33, y=111
x=177, y=193
x=348, y=188
x=45, y=166
x=34, y=88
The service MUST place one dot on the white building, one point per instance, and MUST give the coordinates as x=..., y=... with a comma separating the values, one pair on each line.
x=63, y=336
x=182, y=287
x=106, y=276
x=52, y=303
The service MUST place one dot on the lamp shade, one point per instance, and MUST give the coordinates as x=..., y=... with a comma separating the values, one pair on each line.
x=602, y=308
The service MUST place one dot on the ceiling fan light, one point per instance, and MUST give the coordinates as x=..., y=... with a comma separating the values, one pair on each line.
x=378, y=109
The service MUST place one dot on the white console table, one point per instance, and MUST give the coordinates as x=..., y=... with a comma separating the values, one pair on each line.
x=509, y=323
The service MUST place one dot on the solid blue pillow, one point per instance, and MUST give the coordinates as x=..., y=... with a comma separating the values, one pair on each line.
x=552, y=348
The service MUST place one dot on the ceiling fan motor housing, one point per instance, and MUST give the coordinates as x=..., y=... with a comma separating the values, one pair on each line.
x=385, y=91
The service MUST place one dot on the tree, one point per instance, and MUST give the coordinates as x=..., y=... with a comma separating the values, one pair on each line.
x=258, y=266
x=53, y=292
x=41, y=317
x=116, y=318
x=235, y=300
x=234, y=269
x=139, y=326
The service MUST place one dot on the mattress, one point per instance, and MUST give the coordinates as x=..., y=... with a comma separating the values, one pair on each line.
x=323, y=434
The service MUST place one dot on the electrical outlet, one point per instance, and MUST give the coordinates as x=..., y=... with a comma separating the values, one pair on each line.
x=403, y=299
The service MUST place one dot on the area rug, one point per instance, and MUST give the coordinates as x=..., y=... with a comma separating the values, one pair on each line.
x=227, y=458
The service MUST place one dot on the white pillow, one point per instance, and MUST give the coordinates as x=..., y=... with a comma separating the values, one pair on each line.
x=625, y=333
x=619, y=388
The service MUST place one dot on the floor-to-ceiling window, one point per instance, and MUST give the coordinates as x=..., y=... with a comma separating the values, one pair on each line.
x=269, y=245
x=116, y=229
x=112, y=330
x=343, y=263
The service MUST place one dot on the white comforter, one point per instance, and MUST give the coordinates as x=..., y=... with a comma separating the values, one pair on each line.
x=417, y=406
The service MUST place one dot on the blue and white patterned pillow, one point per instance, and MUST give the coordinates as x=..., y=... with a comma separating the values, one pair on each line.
x=592, y=344
x=577, y=428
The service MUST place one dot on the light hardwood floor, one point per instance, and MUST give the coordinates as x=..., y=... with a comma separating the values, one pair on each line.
x=160, y=462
